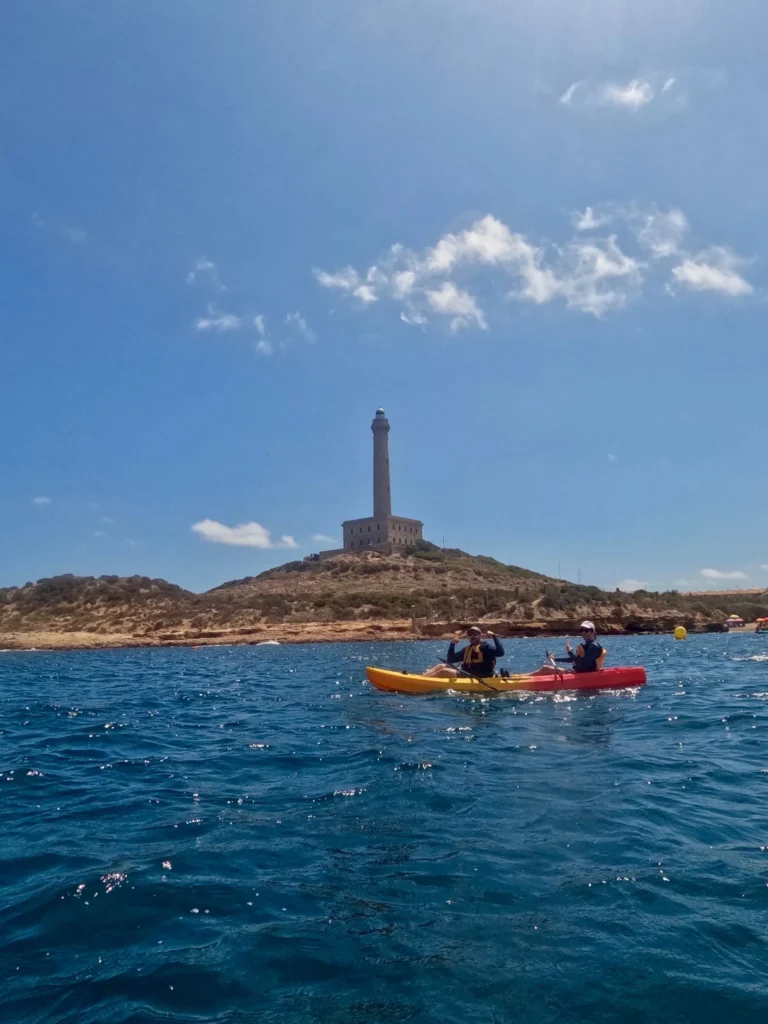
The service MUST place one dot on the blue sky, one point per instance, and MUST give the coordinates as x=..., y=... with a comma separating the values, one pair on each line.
x=534, y=231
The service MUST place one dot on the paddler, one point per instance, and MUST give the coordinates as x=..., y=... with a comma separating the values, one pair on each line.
x=478, y=658
x=588, y=656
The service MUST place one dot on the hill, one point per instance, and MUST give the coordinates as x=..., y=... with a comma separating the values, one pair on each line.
x=427, y=592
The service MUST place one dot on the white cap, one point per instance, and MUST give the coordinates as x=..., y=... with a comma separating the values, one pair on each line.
x=586, y=624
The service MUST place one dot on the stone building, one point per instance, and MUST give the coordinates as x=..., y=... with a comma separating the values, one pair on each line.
x=382, y=531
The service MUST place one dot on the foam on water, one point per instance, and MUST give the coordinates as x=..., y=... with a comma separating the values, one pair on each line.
x=241, y=835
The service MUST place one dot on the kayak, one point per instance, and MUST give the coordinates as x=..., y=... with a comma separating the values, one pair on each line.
x=604, y=679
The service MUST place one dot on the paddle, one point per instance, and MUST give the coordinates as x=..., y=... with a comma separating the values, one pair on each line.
x=468, y=675
x=551, y=659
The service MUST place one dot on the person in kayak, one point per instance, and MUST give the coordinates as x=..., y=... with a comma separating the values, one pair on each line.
x=478, y=658
x=588, y=656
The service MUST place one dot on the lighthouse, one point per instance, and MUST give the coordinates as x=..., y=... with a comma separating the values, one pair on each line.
x=382, y=531
x=382, y=495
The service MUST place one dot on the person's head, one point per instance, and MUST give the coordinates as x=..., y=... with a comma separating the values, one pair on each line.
x=587, y=630
x=475, y=634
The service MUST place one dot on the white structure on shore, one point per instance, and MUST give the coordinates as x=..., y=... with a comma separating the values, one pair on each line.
x=382, y=531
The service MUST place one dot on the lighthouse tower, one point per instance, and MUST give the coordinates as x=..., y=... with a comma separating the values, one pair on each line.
x=382, y=531
x=382, y=496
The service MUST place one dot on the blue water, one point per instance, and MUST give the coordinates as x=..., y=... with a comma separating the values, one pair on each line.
x=254, y=834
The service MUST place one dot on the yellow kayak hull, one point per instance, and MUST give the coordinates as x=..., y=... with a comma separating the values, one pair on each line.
x=605, y=679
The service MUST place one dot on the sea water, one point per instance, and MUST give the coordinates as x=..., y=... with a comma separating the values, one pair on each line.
x=255, y=834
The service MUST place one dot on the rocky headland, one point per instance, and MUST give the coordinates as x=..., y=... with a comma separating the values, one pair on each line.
x=429, y=592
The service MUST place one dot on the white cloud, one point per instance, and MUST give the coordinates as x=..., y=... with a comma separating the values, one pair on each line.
x=348, y=280
x=246, y=535
x=298, y=324
x=42, y=501
x=488, y=241
x=263, y=347
x=107, y=519
x=205, y=272
x=764, y=566
x=403, y=282
x=713, y=270
x=632, y=96
x=716, y=574
x=218, y=321
x=662, y=233
x=593, y=275
x=630, y=586
x=567, y=98
x=589, y=220
x=417, y=319
x=586, y=269
x=258, y=323
x=366, y=294
x=99, y=533
x=452, y=301
x=322, y=538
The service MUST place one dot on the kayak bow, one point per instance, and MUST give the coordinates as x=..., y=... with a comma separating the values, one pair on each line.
x=605, y=679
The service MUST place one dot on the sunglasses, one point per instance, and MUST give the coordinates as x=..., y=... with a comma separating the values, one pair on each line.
x=586, y=631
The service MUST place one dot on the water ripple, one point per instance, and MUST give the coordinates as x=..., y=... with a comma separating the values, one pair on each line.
x=245, y=834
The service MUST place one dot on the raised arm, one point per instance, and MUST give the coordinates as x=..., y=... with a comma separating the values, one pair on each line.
x=454, y=656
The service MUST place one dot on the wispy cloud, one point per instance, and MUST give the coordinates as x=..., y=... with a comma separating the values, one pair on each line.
x=660, y=233
x=42, y=500
x=590, y=273
x=450, y=300
x=717, y=574
x=263, y=346
x=349, y=280
x=246, y=535
x=298, y=325
x=567, y=98
x=630, y=586
x=631, y=95
x=69, y=232
x=589, y=220
x=217, y=321
x=322, y=538
x=713, y=270
x=206, y=273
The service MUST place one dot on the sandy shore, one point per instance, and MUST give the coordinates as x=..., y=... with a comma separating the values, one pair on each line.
x=304, y=633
